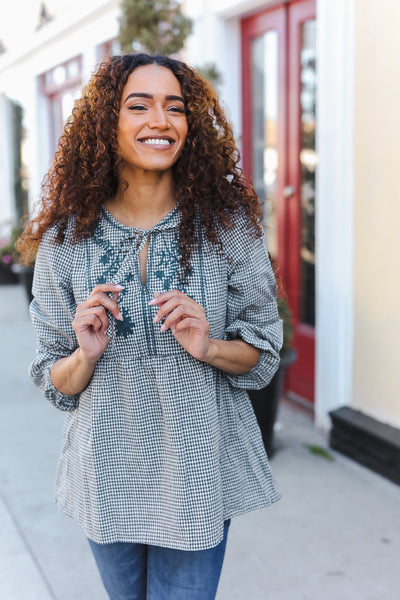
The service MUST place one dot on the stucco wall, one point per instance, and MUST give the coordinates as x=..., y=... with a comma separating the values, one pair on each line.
x=7, y=207
x=59, y=41
x=376, y=382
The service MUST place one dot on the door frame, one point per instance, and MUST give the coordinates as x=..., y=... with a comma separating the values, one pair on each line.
x=301, y=376
x=271, y=18
x=285, y=19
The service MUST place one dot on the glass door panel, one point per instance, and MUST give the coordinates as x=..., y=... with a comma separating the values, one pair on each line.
x=264, y=140
x=302, y=164
x=308, y=164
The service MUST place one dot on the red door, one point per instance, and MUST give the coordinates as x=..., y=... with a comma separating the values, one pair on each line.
x=279, y=98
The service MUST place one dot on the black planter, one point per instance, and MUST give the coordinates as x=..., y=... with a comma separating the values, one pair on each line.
x=265, y=401
x=25, y=277
x=6, y=275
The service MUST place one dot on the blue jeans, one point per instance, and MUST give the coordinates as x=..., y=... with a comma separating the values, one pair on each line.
x=143, y=572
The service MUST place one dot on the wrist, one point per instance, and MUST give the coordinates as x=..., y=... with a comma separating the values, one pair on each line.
x=212, y=352
x=84, y=359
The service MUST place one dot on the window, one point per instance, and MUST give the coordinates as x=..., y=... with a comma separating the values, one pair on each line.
x=110, y=48
x=61, y=86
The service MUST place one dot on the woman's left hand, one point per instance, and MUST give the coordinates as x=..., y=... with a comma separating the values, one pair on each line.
x=187, y=321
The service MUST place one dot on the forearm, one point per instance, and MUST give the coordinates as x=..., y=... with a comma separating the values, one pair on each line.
x=72, y=374
x=232, y=356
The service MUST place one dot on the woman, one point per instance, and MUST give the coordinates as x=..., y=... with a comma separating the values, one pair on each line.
x=154, y=304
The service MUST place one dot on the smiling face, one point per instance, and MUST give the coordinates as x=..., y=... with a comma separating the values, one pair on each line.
x=152, y=125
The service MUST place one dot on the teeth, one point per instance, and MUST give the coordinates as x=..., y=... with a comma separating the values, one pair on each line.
x=157, y=141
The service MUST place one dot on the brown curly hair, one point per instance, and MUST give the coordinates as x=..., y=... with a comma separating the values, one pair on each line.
x=85, y=171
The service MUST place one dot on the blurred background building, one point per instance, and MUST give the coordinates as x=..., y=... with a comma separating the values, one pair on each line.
x=312, y=92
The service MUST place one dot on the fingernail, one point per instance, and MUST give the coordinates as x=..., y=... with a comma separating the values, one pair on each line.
x=163, y=328
x=156, y=319
x=119, y=287
x=152, y=302
x=120, y=317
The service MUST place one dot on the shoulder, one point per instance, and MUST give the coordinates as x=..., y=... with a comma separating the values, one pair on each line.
x=50, y=236
x=54, y=254
x=240, y=243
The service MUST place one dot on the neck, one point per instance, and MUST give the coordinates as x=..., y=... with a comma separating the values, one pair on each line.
x=149, y=198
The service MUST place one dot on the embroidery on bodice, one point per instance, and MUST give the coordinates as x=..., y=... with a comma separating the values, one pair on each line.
x=166, y=267
x=164, y=264
x=110, y=258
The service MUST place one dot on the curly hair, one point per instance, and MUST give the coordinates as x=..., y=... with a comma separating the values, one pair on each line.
x=84, y=174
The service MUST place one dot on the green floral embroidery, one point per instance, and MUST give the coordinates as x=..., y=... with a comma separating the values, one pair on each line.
x=125, y=327
x=165, y=263
x=167, y=266
x=110, y=257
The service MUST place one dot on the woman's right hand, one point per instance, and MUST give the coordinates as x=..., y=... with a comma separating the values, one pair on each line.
x=91, y=322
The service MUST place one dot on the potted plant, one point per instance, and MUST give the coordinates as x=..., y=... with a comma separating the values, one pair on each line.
x=7, y=258
x=20, y=273
x=265, y=401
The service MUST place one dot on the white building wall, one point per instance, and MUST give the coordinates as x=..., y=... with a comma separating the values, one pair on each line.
x=335, y=207
x=238, y=8
x=7, y=208
x=56, y=43
x=217, y=40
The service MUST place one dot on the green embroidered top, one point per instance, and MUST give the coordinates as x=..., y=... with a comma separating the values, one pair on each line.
x=160, y=448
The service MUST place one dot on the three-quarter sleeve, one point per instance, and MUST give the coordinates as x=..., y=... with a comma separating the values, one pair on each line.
x=252, y=313
x=52, y=311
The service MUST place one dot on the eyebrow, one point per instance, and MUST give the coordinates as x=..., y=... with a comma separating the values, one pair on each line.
x=151, y=97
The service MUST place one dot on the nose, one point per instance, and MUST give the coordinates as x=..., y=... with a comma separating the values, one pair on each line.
x=158, y=118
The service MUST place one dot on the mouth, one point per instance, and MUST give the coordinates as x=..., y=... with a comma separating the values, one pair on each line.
x=157, y=141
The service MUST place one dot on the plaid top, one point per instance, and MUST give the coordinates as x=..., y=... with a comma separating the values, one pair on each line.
x=160, y=448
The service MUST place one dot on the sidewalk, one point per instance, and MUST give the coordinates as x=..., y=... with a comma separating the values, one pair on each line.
x=335, y=535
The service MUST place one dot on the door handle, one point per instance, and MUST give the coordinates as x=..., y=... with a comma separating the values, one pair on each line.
x=289, y=191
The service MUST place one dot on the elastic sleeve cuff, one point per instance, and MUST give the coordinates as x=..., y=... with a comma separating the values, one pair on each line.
x=269, y=342
x=268, y=338
x=260, y=375
x=61, y=401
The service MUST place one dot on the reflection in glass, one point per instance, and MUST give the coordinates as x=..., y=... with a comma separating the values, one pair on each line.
x=67, y=103
x=308, y=164
x=73, y=69
x=59, y=74
x=264, y=95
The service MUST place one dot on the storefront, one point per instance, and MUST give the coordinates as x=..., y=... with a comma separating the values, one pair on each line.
x=310, y=89
x=288, y=86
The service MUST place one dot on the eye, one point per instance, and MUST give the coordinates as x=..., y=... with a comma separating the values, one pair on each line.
x=177, y=109
x=137, y=107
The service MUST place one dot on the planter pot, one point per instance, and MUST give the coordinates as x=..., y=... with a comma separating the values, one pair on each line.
x=265, y=401
x=7, y=275
x=25, y=277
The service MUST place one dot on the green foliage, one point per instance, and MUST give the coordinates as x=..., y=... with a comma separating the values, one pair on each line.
x=8, y=253
x=285, y=315
x=153, y=26
x=319, y=451
x=158, y=26
x=209, y=71
x=20, y=193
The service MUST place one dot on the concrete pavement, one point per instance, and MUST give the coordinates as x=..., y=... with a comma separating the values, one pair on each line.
x=335, y=535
